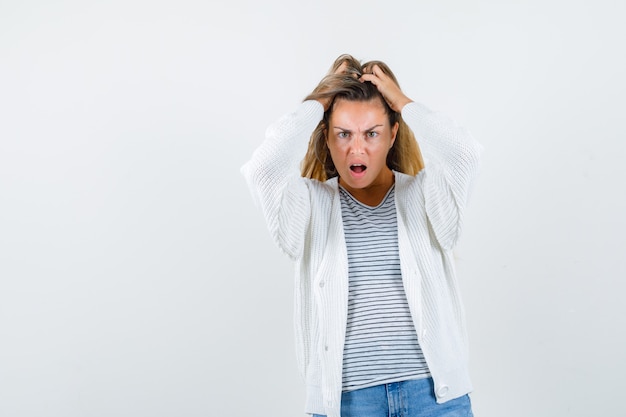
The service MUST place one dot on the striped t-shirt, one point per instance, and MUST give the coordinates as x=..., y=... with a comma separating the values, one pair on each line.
x=381, y=344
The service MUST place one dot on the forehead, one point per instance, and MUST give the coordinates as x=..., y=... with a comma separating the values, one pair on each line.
x=358, y=114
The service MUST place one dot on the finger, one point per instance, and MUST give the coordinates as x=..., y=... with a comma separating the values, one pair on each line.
x=342, y=67
x=379, y=72
x=371, y=78
x=374, y=73
x=369, y=69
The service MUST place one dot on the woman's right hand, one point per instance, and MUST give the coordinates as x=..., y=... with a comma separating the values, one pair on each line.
x=325, y=101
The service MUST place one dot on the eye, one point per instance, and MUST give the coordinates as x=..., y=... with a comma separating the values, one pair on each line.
x=372, y=134
x=343, y=135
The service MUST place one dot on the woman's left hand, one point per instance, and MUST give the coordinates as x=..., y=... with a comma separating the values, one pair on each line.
x=387, y=87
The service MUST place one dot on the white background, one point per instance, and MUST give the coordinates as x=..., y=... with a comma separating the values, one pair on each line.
x=138, y=279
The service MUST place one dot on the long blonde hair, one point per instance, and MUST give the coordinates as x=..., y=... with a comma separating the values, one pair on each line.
x=404, y=156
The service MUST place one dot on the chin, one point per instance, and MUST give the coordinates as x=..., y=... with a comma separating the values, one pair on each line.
x=358, y=184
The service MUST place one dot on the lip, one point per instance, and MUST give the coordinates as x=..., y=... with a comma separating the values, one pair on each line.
x=357, y=175
x=354, y=174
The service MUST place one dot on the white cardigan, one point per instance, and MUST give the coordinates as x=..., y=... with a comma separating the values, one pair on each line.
x=304, y=218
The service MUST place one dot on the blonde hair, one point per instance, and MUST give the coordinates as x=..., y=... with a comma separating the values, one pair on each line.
x=404, y=156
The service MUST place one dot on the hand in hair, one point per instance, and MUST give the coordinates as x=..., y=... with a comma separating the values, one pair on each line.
x=343, y=68
x=387, y=87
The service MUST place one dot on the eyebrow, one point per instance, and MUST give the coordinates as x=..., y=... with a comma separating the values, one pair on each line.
x=366, y=130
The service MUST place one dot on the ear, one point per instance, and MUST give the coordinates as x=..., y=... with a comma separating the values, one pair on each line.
x=394, y=132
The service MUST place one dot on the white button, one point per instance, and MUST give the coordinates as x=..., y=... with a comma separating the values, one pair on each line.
x=321, y=284
x=326, y=348
x=442, y=391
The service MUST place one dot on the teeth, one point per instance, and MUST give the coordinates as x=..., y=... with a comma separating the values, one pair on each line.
x=358, y=168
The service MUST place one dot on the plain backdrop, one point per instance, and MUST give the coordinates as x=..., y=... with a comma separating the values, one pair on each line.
x=138, y=279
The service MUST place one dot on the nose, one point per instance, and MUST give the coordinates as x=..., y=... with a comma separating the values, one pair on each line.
x=357, y=145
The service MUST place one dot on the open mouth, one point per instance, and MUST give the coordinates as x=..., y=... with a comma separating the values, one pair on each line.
x=358, y=168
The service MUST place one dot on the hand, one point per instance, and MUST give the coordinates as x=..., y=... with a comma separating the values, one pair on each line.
x=341, y=69
x=387, y=87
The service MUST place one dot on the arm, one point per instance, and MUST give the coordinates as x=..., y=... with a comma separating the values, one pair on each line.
x=273, y=176
x=451, y=158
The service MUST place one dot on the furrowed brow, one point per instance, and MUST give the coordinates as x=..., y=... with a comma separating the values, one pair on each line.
x=348, y=130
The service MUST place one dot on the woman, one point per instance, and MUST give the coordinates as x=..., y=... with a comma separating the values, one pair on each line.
x=380, y=328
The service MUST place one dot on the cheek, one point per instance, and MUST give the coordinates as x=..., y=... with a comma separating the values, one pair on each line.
x=335, y=149
x=335, y=155
x=382, y=150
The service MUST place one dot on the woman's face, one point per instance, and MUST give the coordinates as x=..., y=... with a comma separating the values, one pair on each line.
x=359, y=137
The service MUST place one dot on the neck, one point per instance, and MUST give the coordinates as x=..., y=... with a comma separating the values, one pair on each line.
x=373, y=194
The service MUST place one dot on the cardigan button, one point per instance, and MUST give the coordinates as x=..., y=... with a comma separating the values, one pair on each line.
x=321, y=284
x=442, y=391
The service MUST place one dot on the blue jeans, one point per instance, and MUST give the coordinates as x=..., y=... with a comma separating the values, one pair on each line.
x=413, y=398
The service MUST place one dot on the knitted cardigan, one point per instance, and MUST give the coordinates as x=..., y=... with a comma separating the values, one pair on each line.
x=304, y=218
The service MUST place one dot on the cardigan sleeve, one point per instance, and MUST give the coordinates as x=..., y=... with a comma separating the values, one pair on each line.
x=451, y=163
x=273, y=176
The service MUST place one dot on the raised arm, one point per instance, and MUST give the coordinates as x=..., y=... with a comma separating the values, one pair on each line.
x=451, y=157
x=273, y=176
